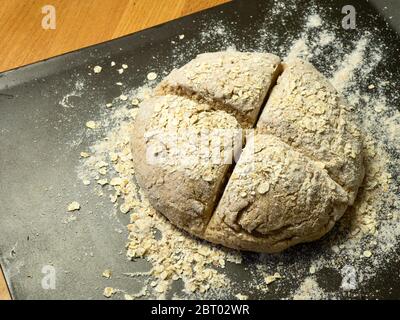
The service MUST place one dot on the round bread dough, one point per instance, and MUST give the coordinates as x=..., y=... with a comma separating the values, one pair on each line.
x=297, y=174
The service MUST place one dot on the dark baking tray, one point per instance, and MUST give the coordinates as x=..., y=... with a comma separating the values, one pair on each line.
x=38, y=160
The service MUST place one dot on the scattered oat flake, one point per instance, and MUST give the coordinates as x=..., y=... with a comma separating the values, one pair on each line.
x=113, y=63
x=135, y=101
x=121, y=71
x=73, y=206
x=116, y=181
x=113, y=198
x=118, y=83
x=367, y=254
x=152, y=76
x=109, y=105
x=371, y=86
x=97, y=69
x=107, y=274
x=123, y=97
x=124, y=208
x=181, y=36
x=128, y=297
x=101, y=164
x=263, y=188
x=85, y=154
x=113, y=156
x=91, y=125
x=273, y=278
x=124, y=66
x=240, y=296
x=161, y=287
x=102, y=182
x=108, y=292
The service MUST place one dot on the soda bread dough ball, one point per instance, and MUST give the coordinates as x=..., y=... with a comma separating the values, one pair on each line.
x=295, y=177
x=236, y=82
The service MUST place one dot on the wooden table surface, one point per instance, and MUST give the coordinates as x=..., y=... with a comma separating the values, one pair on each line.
x=4, y=294
x=78, y=24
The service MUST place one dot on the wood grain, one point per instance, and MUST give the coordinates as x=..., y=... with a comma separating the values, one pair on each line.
x=79, y=24
x=4, y=293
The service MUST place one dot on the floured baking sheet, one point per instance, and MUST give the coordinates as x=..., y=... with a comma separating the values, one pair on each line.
x=64, y=129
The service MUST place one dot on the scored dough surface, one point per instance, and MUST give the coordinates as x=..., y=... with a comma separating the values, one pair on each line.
x=185, y=192
x=295, y=177
x=305, y=111
x=236, y=82
x=275, y=198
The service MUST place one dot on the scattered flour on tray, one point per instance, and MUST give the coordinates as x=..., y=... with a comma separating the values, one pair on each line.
x=309, y=290
x=372, y=224
x=77, y=92
x=314, y=21
x=351, y=62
